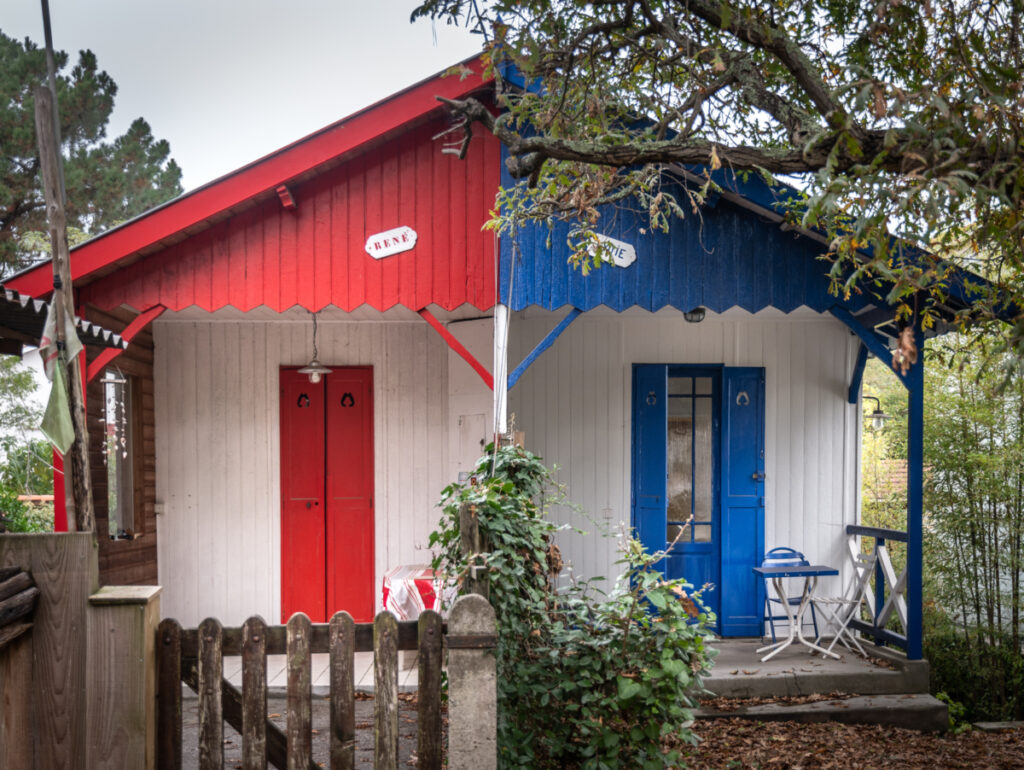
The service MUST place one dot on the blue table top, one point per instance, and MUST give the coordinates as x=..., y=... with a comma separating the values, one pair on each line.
x=813, y=570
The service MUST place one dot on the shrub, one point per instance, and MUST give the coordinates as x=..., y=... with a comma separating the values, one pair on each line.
x=987, y=679
x=584, y=679
x=16, y=516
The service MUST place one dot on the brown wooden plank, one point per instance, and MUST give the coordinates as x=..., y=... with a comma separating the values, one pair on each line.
x=211, y=719
x=277, y=639
x=168, y=662
x=343, y=703
x=385, y=692
x=254, y=694
x=428, y=727
x=16, y=723
x=277, y=748
x=15, y=584
x=65, y=570
x=299, y=724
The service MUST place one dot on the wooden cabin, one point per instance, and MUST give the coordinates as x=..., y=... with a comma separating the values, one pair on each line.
x=708, y=373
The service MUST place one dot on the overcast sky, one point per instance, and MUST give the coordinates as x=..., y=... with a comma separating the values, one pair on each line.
x=226, y=82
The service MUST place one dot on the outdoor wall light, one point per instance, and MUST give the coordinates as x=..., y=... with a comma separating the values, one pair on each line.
x=696, y=315
x=314, y=368
x=878, y=417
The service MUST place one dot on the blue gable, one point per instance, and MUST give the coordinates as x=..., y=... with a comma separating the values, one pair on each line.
x=724, y=256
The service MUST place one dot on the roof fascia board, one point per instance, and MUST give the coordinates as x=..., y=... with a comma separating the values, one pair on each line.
x=265, y=174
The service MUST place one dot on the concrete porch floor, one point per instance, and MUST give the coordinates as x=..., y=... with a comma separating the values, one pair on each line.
x=739, y=673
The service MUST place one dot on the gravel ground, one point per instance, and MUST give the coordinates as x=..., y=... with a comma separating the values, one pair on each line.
x=276, y=710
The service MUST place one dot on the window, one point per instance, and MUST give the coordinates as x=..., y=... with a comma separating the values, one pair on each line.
x=689, y=455
x=121, y=400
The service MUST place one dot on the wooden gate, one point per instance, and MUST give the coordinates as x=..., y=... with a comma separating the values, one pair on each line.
x=195, y=657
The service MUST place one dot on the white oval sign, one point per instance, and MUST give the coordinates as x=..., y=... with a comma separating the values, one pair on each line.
x=389, y=242
x=619, y=253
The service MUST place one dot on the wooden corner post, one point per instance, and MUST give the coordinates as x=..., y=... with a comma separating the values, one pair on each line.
x=472, y=685
x=121, y=676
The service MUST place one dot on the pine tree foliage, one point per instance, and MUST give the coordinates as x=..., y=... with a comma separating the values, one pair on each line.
x=107, y=180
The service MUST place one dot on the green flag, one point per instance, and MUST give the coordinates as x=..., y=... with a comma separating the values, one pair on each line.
x=57, y=418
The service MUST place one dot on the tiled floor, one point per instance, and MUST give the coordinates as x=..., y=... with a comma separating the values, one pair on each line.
x=277, y=676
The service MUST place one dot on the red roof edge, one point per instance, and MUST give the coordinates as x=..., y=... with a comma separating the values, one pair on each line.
x=261, y=175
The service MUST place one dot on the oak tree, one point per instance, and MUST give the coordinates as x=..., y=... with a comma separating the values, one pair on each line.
x=899, y=122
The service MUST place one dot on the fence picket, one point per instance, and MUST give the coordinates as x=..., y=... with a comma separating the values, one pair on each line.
x=211, y=720
x=169, y=695
x=385, y=692
x=428, y=702
x=300, y=736
x=254, y=694
x=343, y=703
x=195, y=657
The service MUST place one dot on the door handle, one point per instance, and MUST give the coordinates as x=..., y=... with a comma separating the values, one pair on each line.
x=757, y=476
x=311, y=504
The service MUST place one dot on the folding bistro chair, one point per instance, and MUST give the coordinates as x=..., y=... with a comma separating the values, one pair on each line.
x=782, y=557
x=840, y=610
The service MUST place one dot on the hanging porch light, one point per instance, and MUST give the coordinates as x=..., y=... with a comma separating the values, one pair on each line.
x=314, y=368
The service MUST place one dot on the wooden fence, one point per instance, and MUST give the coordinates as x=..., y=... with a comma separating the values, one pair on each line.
x=195, y=657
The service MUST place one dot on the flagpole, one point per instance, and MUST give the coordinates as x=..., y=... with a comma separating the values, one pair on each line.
x=78, y=494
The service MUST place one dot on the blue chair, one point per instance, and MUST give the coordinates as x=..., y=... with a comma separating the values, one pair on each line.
x=782, y=557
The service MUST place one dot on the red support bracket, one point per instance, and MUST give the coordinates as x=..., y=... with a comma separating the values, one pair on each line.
x=141, y=321
x=458, y=347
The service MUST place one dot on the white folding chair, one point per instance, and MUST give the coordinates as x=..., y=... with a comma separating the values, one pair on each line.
x=840, y=610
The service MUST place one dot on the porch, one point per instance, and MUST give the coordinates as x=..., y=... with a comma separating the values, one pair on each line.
x=796, y=671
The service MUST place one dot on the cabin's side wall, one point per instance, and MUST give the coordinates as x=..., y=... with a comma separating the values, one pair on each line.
x=574, y=403
x=131, y=560
x=218, y=451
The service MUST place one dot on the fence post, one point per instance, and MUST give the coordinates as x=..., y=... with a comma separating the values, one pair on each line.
x=471, y=542
x=472, y=685
x=121, y=676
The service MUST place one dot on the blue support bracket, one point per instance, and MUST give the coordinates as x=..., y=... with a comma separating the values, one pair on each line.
x=871, y=339
x=543, y=345
x=858, y=374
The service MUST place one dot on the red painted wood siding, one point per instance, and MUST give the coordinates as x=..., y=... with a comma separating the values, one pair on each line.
x=314, y=256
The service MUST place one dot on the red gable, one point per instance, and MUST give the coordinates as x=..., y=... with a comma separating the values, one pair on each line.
x=234, y=242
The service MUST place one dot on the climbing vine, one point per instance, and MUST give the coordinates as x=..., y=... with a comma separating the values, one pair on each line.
x=585, y=679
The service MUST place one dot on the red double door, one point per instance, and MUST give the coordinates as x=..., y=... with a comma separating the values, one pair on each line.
x=327, y=494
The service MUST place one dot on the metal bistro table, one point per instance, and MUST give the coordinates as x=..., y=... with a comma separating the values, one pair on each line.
x=810, y=574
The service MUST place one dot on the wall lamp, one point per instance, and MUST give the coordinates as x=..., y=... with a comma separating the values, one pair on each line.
x=696, y=315
x=878, y=417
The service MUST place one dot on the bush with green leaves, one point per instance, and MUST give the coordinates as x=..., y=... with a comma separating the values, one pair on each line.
x=16, y=516
x=585, y=679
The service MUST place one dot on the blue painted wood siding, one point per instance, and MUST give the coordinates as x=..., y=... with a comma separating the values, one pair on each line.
x=721, y=257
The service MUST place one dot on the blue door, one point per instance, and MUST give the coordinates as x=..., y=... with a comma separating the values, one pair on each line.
x=698, y=478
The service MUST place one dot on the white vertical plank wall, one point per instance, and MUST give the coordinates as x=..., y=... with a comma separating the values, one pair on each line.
x=217, y=434
x=574, y=403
